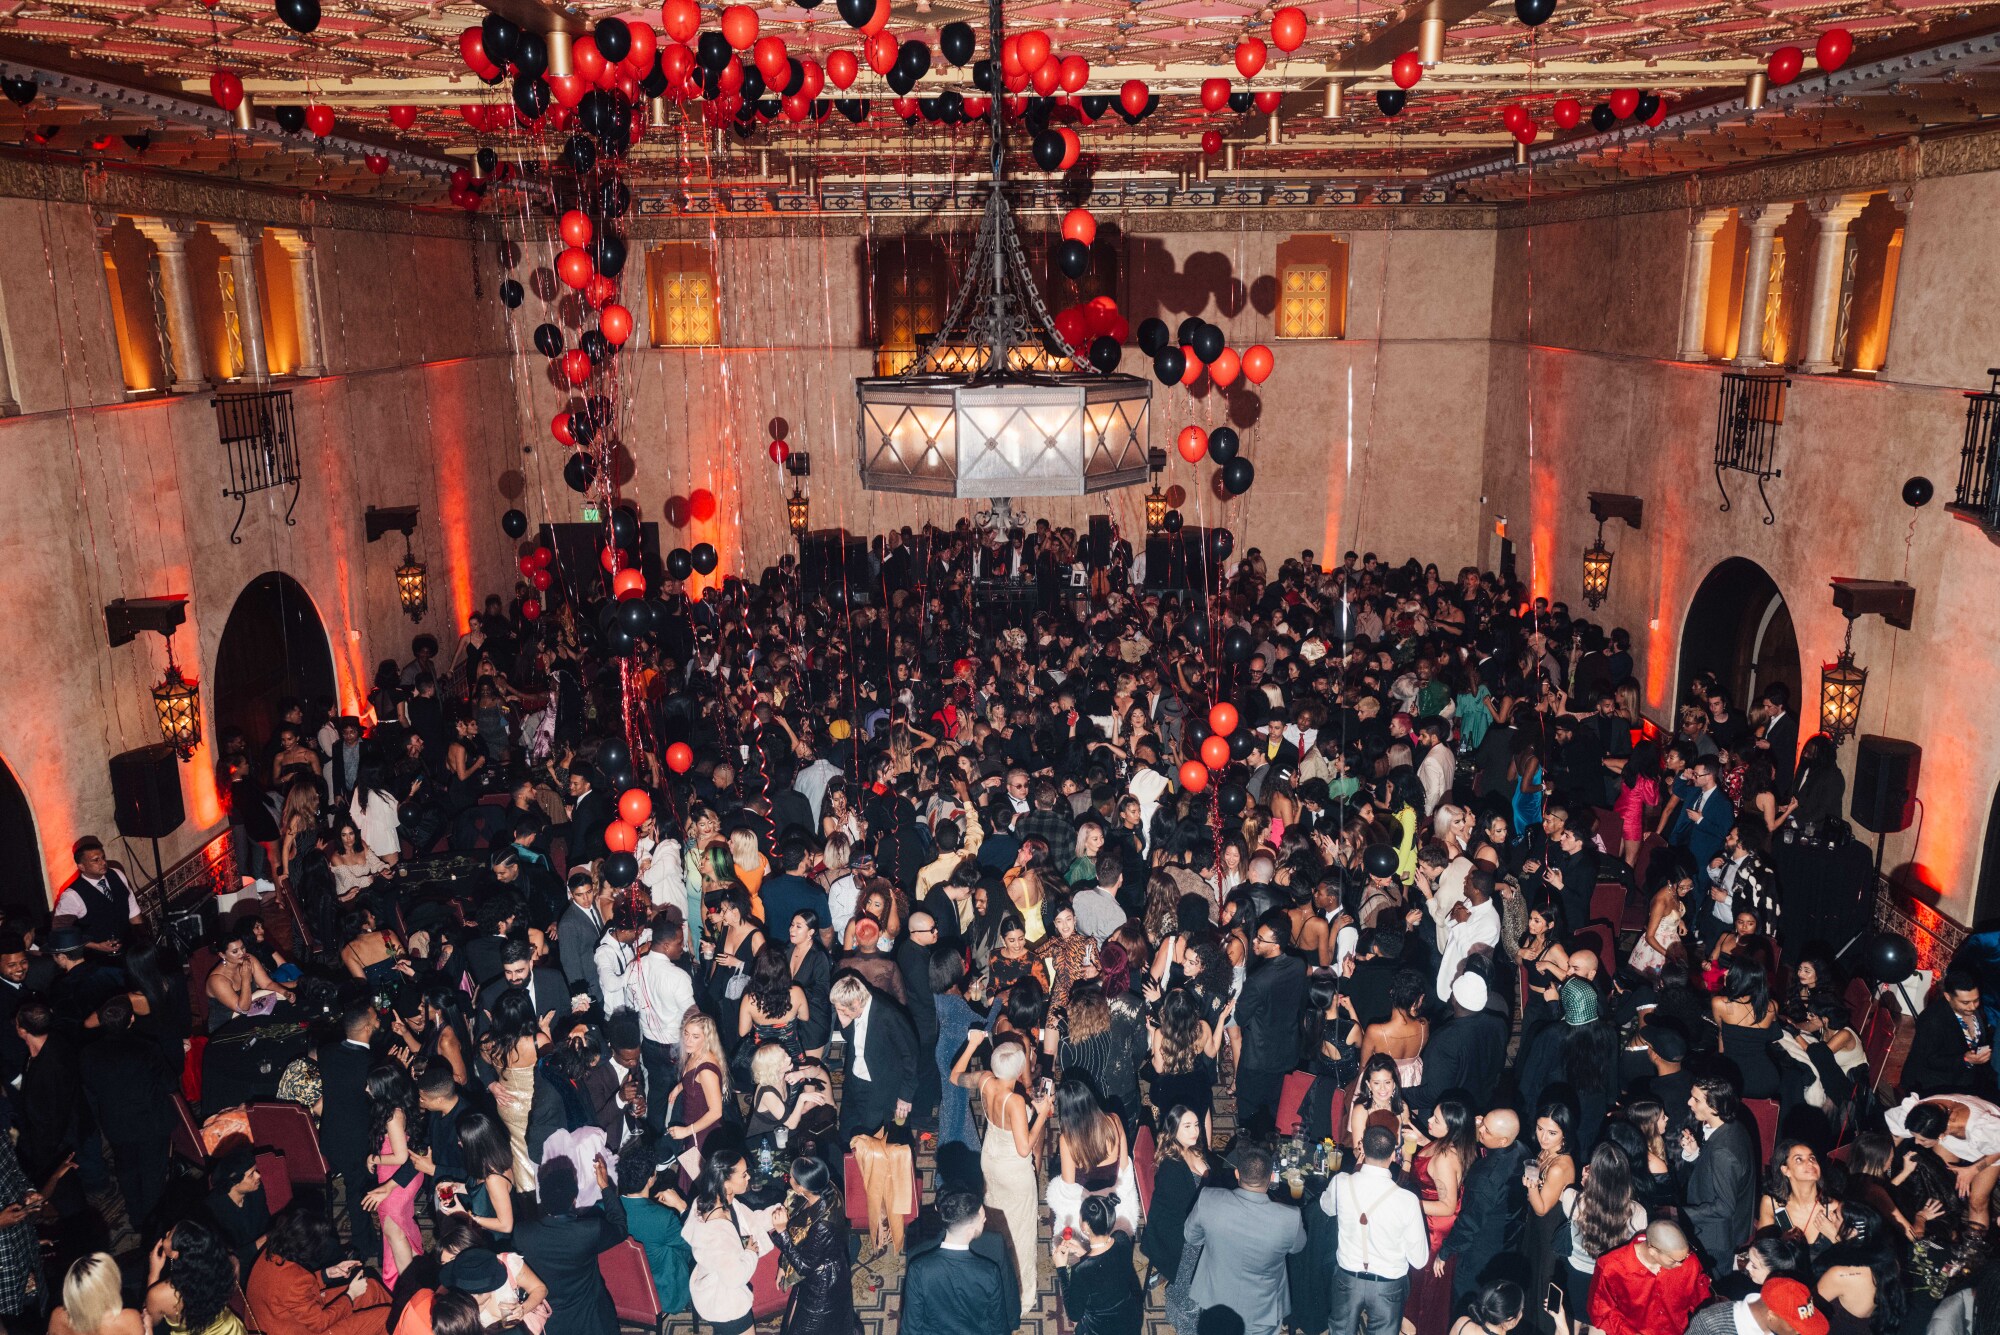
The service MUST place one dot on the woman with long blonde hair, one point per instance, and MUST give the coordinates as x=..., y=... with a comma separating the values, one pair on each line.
x=696, y=1106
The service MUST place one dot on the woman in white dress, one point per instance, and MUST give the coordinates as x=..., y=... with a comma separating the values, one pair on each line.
x=1015, y=1129
x=1965, y=1132
x=1666, y=922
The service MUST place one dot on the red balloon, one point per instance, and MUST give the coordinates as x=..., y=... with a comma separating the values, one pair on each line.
x=639, y=60
x=541, y=579
x=1224, y=368
x=375, y=162
x=1045, y=78
x=573, y=267
x=701, y=505
x=599, y=290
x=472, y=50
x=1072, y=145
x=1034, y=50
x=812, y=79
x=1288, y=29
x=772, y=61
x=1134, y=96
x=575, y=228
x=474, y=114
x=1072, y=326
x=1567, y=113
x=1222, y=719
x=1513, y=115
x=1257, y=363
x=1406, y=69
x=543, y=557
x=1215, y=753
x=226, y=90
x=319, y=119
x=1194, y=776
x=1624, y=101
x=627, y=584
x=587, y=60
x=634, y=806
x=1079, y=225
x=559, y=428
x=1659, y=113
x=680, y=758
x=907, y=107
x=780, y=451
x=567, y=89
x=402, y=117
x=531, y=609
x=1784, y=65
x=1833, y=48
x=1214, y=94
x=841, y=67
x=615, y=323
x=620, y=837
x=796, y=106
x=1075, y=74
x=527, y=564
x=739, y=26
x=882, y=51
x=1268, y=100
x=1251, y=53
x=1193, y=444
x=681, y=19
x=1191, y=371
x=1525, y=133
x=1211, y=142
x=576, y=366
x=878, y=20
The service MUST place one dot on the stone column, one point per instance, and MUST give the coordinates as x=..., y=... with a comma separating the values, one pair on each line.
x=1834, y=213
x=299, y=250
x=242, y=239
x=1762, y=220
x=1700, y=266
x=177, y=295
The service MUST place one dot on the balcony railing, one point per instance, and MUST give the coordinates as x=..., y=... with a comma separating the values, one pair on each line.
x=1746, y=431
x=257, y=432
x=1977, y=499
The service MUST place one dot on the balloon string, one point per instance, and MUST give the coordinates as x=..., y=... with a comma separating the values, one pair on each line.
x=1528, y=351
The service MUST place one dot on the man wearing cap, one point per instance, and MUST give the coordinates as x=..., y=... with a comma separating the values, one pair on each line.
x=1382, y=1238
x=1650, y=1286
x=1466, y=1051
x=98, y=901
x=1781, y=1307
x=1245, y=1238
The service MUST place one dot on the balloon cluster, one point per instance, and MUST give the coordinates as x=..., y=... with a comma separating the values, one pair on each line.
x=1831, y=51
x=534, y=566
x=1199, y=345
x=1224, y=446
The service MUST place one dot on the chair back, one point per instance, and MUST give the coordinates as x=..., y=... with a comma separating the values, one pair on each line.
x=1878, y=1035
x=277, y=1180
x=1337, y=1119
x=1764, y=1112
x=288, y=1128
x=1145, y=1165
x=1291, y=1099
x=630, y=1280
x=185, y=1134
x=1607, y=905
x=767, y=1300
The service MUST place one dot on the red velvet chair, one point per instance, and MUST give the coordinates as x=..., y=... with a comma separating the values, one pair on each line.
x=185, y=1134
x=1291, y=1099
x=630, y=1280
x=288, y=1128
x=1764, y=1112
x=277, y=1180
x=1145, y=1167
x=767, y=1300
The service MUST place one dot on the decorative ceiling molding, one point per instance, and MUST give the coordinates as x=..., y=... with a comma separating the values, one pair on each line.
x=1450, y=218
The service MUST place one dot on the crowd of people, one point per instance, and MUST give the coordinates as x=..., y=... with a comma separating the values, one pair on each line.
x=1451, y=994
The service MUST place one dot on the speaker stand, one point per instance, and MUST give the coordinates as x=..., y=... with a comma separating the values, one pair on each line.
x=159, y=885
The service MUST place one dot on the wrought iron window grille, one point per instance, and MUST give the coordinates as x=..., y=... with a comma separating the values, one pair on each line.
x=1746, y=432
x=1977, y=499
x=258, y=433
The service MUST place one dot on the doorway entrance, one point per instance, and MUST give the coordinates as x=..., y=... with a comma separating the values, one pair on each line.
x=21, y=883
x=1739, y=629
x=273, y=649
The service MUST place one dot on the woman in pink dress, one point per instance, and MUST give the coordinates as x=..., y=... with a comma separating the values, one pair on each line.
x=393, y=1113
x=1639, y=792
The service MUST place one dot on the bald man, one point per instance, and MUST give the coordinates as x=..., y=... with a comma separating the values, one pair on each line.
x=1583, y=964
x=1650, y=1286
x=1492, y=1208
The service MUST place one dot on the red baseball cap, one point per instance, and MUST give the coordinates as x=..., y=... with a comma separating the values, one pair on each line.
x=1792, y=1303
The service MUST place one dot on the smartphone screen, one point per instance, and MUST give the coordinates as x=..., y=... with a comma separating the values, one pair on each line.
x=1555, y=1297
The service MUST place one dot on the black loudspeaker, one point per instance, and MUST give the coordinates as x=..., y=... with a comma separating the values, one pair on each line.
x=1174, y=561
x=146, y=792
x=1885, y=783
x=191, y=927
x=1098, y=554
x=835, y=561
x=579, y=553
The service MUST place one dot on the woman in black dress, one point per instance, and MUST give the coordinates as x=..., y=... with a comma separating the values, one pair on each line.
x=1184, y=1168
x=1100, y=1292
x=814, y=1243
x=812, y=974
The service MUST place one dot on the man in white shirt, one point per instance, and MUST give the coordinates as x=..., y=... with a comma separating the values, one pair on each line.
x=813, y=777
x=1472, y=928
x=663, y=995
x=1438, y=766
x=617, y=960
x=1381, y=1239
x=97, y=901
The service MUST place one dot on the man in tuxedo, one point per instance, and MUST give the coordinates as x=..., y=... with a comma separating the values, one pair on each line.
x=97, y=901
x=1718, y=1171
x=589, y=816
x=345, y=1118
x=1781, y=734
x=1572, y=875
x=1493, y=1204
x=618, y=1084
x=562, y=1244
x=483, y=953
x=881, y=1057
x=13, y=990
x=913, y=963
x=581, y=928
x=1951, y=1051
x=343, y=771
x=545, y=987
x=962, y=1283
x=1267, y=1016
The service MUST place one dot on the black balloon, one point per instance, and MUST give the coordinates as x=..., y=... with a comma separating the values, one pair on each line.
x=291, y=117
x=795, y=77
x=596, y=347
x=511, y=293
x=1391, y=100
x=613, y=755
x=901, y=79
x=1534, y=13
x=1169, y=364
x=514, y=524
x=620, y=870
x=1184, y=332
x=928, y=108
x=1208, y=343
x=609, y=251
x=855, y=12
x=679, y=563
x=614, y=40
x=1105, y=353
x=1073, y=257
x=854, y=108
x=613, y=199
x=982, y=75
x=19, y=91
x=1237, y=475
x=916, y=56
x=1221, y=542
x=1649, y=107
x=299, y=15
x=704, y=558
x=498, y=38
x=952, y=103
x=654, y=84
x=1241, y=102
x=580, y=472
x=594, y=113
x=1232, y=799
x=1887, y=959
x=635, y=615
x=1239, y=741
x=1602, y=117
x=1223, y=444
x=1171, y=521
x=957, y=42
x=1379, y=860
x=1049, y=150
x=531, y=55
x=579, y=154
x=531, y=96
x=624, y=526
x=548, y=340
x=1152, y=335
x=1917, y=492
x=488, y=159
x=1095, y=104
x=1238, y=644
x=618, y=642
x=582, y=429
x=712, y=51
x=753, y=83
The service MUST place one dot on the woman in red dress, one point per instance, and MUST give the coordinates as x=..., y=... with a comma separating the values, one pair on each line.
x=1439, y=1173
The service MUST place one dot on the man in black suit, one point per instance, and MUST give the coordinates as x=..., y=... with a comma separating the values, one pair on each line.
x=913, y=963
x=483, y=953
x=563, y=1243
x=1466, y=1051
x=1781, y=734
x=789, y=891
x=545, y=987
x=581, y=928
x=1951, y=1051
x=47, y=1112
x=963, y=1282
x=1572, y=874
x=881, y=1057
x=1493, y=1203
x=1267, y=1015
x=589, y=816
x=14, y=961
x=345, y=1117
x=1718, y=1171
x=1378, y=956
x=130, y=1093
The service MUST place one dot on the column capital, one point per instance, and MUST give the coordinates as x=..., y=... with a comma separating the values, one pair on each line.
x=1707, y=223
x=296, y=241
x=237, y=238
x=1765, y=217
x=1900, y=197
x=1837, y=209
x=166, y=233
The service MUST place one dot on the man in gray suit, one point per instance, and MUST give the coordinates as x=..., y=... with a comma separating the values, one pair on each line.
x=1245, y=1237
x=1718, y=1172
x=578, y=932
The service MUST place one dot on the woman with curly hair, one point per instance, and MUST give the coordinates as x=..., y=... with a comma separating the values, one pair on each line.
x=1183, y=1059
x=188, y=1280
x=396, y=1125
x=774, y=1008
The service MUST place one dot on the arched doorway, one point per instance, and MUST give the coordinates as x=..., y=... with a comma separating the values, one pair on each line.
x=1986, y=898
x=273, y=649
x=1739, y=628
x=21, y=884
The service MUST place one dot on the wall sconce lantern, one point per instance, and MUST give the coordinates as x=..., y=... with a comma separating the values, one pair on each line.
x=176, y=700
x=798, y=510
x=1597, y=557
x=1156, y=500
x=412, y=578
x=1842, y=682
